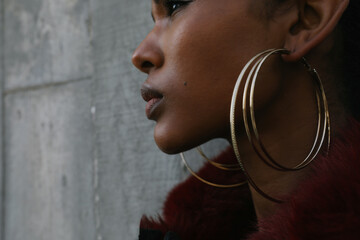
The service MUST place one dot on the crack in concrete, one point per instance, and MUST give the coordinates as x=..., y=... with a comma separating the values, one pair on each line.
x=45, y=85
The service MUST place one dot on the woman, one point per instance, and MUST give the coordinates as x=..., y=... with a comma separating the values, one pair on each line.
x=292, y=126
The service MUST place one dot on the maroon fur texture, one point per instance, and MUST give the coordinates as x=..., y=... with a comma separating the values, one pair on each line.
x=325, y=206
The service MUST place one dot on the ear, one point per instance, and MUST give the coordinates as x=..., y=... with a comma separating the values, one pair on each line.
x=316, y=21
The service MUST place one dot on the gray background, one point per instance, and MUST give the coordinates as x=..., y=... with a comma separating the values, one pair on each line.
x=78, y=160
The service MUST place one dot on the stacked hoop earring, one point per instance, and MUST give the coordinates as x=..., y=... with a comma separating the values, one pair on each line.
x=248, y=114
x=220, y=166
x=323, y=126
x=226, y=167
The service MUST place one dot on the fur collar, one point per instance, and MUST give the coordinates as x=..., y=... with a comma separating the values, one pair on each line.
x=325, y=206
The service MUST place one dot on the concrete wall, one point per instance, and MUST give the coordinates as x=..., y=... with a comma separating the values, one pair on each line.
x=78, y=160
x=133, y=176
x=2, y=75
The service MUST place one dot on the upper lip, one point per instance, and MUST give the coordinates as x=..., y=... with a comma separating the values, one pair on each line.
x=149, y=93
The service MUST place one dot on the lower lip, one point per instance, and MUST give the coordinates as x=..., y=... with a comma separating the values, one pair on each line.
x=151, y=106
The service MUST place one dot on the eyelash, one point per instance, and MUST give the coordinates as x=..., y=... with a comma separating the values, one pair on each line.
x=173, y=6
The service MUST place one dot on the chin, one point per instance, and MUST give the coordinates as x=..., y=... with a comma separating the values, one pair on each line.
x=168, y=150
x=169, y=146
x=171, y=142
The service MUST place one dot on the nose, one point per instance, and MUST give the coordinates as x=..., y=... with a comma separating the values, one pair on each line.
x=148, y=55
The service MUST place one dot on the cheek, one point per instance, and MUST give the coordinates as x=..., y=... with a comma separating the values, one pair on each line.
x=212, y=50
x=208, y=56
x=194, y=113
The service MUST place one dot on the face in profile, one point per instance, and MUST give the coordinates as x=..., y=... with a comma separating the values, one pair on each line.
x=192, y=58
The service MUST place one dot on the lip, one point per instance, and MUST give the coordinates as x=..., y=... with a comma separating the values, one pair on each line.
x=153, y=99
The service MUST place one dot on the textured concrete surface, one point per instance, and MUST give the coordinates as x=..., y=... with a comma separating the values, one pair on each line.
x=46, y=41
x=49, y=164
x=79, y=157
x=2, y=160
x=134, y=176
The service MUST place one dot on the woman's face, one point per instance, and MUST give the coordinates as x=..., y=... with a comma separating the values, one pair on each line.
x=193, y=56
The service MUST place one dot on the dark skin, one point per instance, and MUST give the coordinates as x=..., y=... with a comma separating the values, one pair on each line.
x=193, y=56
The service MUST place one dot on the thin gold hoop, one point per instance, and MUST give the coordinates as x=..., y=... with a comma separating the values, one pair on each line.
x=208, y=182
x=232, y=127
x=226, y=167
x=260, y=59
x=261, y=150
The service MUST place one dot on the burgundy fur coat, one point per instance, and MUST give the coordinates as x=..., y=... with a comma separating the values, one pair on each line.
x=324, y=206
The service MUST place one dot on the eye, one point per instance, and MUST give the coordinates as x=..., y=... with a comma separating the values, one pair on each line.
x=173, y=6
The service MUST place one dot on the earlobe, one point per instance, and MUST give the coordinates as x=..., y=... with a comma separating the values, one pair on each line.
x=316, y=21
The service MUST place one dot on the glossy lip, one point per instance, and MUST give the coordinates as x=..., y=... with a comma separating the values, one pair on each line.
x=153, y=99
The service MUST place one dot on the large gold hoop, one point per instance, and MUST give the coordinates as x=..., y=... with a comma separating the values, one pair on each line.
x=263, y=154
x=206, y=181
x=323, y=116
x=222, y=166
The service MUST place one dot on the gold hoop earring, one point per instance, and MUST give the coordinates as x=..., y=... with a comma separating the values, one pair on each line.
x=260, y=59
x=226, y=167
x=322, y=116
x=208, y=182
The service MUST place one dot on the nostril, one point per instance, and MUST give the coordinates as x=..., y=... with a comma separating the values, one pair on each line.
x=147, y=65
